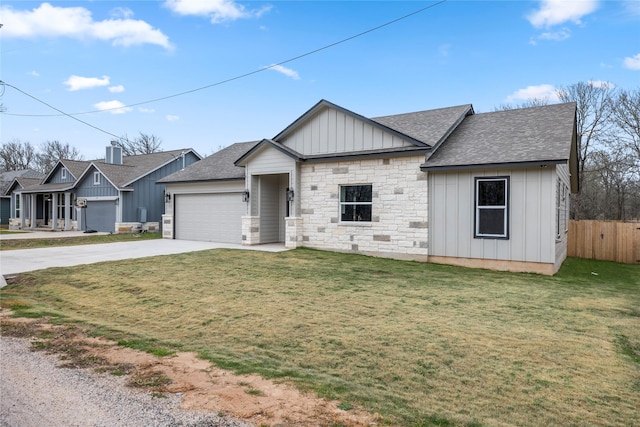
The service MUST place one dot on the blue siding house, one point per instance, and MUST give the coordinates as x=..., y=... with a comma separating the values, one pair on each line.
x=115, y=194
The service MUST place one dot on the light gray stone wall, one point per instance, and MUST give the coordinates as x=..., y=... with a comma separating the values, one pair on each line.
x=250, y=230
x=399, y=226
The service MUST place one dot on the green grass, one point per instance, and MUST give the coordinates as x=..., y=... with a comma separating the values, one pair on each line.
x=422, y=344
x=12, y=244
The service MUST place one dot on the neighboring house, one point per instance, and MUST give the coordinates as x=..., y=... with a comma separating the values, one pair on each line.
x=6, y=179
x=448, y=185
x=117, y=194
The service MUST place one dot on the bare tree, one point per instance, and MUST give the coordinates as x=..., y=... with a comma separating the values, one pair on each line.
x=144, y=144
x=52, y=151
x=594, y=109
x=17, y=155
x=626, y=115
x=531, y=102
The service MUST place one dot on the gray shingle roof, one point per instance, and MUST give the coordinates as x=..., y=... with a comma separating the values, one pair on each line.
x=134, y=167
x=76, y=167
x=6, y=178
x=538, y=134
x=429, y=126
x=217, y=167
x=24, y=183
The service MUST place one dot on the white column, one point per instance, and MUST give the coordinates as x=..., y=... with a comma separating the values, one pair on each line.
x=54, y=210
x=67, y=211
x=33, y=207
x=23, y=210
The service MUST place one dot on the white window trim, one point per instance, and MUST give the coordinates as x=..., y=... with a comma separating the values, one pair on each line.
x=64, y=173
x=477, y=208
x=17, y=205
x=96, y=178
x=341, y=203
x=562, y=209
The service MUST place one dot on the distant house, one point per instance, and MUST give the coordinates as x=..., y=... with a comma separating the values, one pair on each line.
x=6, y=178
x=448, y=185
x=116, y=194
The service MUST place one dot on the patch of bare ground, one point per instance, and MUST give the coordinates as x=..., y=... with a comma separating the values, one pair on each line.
x=202, y=385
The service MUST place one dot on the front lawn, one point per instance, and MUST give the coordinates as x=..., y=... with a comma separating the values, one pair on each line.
x=422, y=344
x=12, y=244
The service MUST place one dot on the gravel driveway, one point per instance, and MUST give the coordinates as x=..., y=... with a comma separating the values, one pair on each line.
x=35, y=392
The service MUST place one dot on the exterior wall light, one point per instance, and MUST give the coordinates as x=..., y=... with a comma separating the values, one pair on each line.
x=290, y=194
x=167, y=197
x=245, y=196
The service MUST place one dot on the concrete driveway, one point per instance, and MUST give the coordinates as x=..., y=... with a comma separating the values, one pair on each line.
x=21, y=260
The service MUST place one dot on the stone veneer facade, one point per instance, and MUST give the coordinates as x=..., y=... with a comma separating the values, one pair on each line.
x=399, y=226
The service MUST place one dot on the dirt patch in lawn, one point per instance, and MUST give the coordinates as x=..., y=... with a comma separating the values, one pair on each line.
x=202, y=385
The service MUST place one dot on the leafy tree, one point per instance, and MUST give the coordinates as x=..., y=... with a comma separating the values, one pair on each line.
x=144, y=144
x=17, y=155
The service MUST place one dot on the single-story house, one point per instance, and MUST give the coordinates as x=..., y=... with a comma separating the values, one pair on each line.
x=448, y=185
x=115, y=194
x=6, y=179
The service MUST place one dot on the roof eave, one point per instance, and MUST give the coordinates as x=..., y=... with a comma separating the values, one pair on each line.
x=193, y=181
x=440, y=168
x=246, y=156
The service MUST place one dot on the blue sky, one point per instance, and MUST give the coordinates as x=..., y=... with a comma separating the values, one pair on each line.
x=87, y=56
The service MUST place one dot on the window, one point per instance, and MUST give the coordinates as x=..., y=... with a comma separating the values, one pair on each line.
x=17, y=205
x=96, y=178
x=492, y=208
x=562, y=208
x=64, y=173
x=355, y=203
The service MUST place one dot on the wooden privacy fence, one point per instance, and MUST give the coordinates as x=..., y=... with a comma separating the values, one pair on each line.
x=608, y=241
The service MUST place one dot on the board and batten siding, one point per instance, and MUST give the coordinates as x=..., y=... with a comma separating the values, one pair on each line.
x=86, y=188
x=562, y=241
x=267, y=161
x=149, y=195
x=531, y=216
x=332, y=131
x=57, y=176
x=272, y=207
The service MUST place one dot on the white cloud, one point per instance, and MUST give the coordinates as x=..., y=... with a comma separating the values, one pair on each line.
x=555, y=12
x=77, y=23
x=557, y=36
x=34, y=73
x=172, y=118
x=122, y=12
x=216, y=10
x=116, y=89
x=114, y=107
x=286, y=71
x=146, y=110
x=632, y=62
x=79, y=83
x=544, y=91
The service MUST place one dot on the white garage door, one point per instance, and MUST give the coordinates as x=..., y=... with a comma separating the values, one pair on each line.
x=209, y=217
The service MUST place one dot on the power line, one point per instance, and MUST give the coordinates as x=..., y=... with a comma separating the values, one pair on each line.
x=3, y=84
x=241, y=76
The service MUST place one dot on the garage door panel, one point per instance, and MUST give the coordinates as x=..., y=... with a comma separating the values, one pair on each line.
x=100, y=216
x=209, y=217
